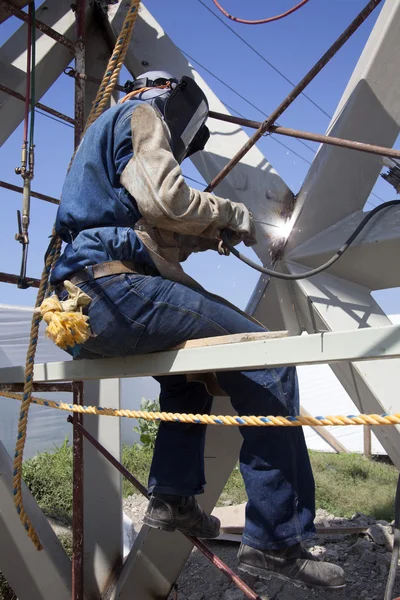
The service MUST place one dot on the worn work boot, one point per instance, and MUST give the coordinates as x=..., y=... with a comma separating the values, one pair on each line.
x=294, y=564
x=169, y=513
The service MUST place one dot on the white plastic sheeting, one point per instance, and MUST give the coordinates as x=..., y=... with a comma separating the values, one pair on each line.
x=48, y=427
x=320, y=391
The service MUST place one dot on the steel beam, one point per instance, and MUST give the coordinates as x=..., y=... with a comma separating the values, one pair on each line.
x=98, y=51
x=150, y=570
x=51, y=59
x=371, y=259
x=339, y=180
x=328, y=302
x=55, y=35
x=319, y=348
x=32, y=575
x=327, y=208
x=102, y=493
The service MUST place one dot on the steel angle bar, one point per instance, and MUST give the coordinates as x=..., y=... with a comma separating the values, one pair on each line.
x=319, y=348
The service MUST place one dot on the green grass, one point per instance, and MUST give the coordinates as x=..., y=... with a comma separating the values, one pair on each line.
x=49, y=477
x=350, y=483
x=345, y=484
x=137, y=460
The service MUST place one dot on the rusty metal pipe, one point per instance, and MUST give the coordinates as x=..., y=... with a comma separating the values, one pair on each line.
x=11, y=278
x=306, y=135
x=77, y=420
x=77, y=498
x=17, y=188
x=42, y=107
x=202, y=547
x=20, y=14
x=72, y=73
x=37, y=387
x=79, y=68
x=296, y=91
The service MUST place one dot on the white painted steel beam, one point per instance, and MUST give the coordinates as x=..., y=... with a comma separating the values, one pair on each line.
x=320, y=348
x=327, y=211
x=33, y=575
x=149, y=569
x=331, y=303
x=253, y=181
x=370, y=261
x=102, y=493
x=51, y=59
x=340, y=180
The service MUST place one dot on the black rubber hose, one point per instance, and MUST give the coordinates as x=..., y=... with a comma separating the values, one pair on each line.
x=329, y=263
x=396, y=546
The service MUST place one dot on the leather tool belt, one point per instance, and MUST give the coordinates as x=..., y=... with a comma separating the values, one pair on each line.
x=105, y=269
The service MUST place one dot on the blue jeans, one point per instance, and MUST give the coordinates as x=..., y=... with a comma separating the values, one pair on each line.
x=136, y=314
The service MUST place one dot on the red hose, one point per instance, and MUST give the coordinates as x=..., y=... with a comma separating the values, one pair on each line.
x=261, y=21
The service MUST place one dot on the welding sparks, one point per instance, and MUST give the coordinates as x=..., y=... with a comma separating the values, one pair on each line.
x=283, y=230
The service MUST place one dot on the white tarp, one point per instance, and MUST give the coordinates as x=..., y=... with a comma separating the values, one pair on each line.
x=48, y=427
x=320, y=392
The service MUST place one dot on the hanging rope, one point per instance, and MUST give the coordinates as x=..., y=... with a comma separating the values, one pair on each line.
x=52, y=255
x=27, y=398
x=242, y=421
x=260, y=21
x=114, y=65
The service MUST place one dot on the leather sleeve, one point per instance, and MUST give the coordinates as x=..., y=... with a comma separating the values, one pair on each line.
x=155, y=180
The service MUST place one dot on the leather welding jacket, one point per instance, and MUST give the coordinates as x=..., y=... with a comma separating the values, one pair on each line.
x=125, y=198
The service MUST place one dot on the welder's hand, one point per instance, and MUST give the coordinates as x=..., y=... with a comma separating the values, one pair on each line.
x=235, y=238
x=245, y=233
x=243, y=229
x=249, y=239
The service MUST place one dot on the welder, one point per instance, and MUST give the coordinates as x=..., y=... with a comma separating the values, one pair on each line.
x=128, y=220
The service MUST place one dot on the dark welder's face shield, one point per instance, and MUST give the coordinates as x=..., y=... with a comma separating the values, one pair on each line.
x=182, y=104
x=185, y=113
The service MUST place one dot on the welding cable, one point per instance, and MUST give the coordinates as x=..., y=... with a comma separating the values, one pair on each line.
x=396, y=545
x=307, y=274
x=260, y=21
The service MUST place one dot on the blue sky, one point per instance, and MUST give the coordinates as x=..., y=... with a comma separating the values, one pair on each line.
x=292, y=45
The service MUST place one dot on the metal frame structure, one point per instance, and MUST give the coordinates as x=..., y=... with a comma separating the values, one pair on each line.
x=329, y=302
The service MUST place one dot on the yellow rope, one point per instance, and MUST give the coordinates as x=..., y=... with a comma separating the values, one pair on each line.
x=102, y=98
x=254, y=421
x=26, y=398
x=114, y=65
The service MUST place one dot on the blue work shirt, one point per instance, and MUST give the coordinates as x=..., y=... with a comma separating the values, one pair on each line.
x=96, y=215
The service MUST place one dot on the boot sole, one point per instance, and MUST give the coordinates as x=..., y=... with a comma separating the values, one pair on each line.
x=264, y=574
x=156, y=524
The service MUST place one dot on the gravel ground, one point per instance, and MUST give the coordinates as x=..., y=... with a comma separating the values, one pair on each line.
x=365, y=559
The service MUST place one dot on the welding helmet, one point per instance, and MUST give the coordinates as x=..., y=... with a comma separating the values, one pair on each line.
x=183, y=106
